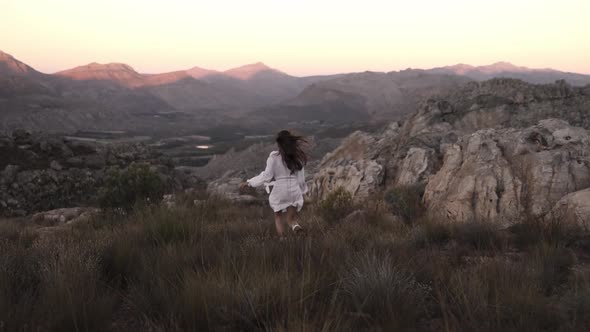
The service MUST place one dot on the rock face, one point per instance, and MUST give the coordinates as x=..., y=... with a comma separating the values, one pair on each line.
x=502, y=175
x=574, y=208
x=485, y=151
x=39, y=173
x=351, y=166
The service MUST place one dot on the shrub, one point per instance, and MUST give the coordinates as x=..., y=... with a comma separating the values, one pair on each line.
x=336, y=205
x=532, y=231
x=383, y=293
x=429, y=232
x=553, y=265
x=479, y=235
x=137, y=184
x=405, y=201
x=497, y=295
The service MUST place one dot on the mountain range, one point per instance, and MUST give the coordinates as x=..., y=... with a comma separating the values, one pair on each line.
x=114, y=96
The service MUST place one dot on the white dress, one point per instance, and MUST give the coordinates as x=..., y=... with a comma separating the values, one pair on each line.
x=288, y=189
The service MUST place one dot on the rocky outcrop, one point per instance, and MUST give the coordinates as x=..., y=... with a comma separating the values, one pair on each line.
x=65, y=216
x=502, y=175
x=41, y=172
x=351, y=166
x=483, y=151
x=573, y=209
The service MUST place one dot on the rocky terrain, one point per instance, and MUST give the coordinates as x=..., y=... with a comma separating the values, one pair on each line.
x=44, y=172
x=498, y=150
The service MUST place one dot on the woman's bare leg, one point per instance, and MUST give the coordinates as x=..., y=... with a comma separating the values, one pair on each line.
x=279, y=224
x=291, y=213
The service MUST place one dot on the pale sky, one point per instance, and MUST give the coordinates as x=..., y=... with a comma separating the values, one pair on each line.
x=299, y=37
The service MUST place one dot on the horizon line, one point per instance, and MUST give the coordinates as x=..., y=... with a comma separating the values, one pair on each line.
x=284, y=72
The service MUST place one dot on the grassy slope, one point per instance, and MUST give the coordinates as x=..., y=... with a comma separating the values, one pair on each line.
x=217, y=266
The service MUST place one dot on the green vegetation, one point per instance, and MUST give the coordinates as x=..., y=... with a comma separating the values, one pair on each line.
x=335, y=206
x=137, y=184
x=215, y=265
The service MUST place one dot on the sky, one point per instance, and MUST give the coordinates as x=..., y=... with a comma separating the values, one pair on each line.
x=298, y=37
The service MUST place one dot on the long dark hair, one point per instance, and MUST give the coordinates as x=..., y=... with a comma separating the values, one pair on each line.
x=291, y=148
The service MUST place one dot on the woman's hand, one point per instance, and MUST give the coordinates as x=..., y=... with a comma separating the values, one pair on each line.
x=245, y=189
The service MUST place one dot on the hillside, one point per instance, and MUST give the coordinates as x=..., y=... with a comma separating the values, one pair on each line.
x=508, y=70
x=114, y=96
x=368, y=96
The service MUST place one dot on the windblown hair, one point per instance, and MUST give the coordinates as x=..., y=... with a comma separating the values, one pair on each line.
x=291, y=148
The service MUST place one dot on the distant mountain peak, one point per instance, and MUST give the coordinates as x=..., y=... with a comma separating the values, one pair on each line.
x=198, y=72
x=461, y=68
x=248, y=71
x=12, y=66
x=95, y=66
x=4, y=55
x=258, y=65
x=502, y=66
x=117, y=72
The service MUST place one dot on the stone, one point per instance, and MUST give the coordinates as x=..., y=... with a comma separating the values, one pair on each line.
x=65, y=216
x=55, y=165
x=228, y=187
x=501, y=176
x=352, y=166
x=573, y=209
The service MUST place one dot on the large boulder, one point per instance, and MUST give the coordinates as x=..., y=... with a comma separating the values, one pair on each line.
x=574, y=209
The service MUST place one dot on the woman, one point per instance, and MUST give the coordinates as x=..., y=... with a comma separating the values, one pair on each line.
x=284, y=172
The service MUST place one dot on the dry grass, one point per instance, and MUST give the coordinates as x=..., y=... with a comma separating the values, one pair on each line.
x=218, y=266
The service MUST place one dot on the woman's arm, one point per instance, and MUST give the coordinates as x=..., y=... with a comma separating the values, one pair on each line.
x=301, y=181
x=265, y=176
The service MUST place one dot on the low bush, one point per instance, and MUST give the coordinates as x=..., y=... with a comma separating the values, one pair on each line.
x=480, y=235
x=553, y=265
x=335, y=206
x=427, y=232
x=382, y=293
x=405, y=201
x=137, y=184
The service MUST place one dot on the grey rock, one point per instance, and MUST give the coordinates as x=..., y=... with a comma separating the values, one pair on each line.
x=506, y=174
x=65, y=216
x=55, y=165
x=573, y=209
x=352, y=166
